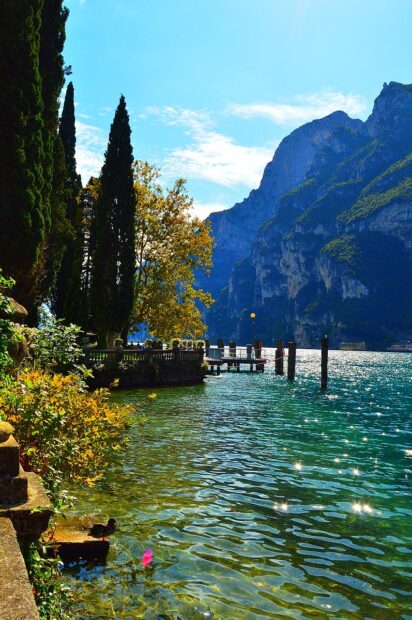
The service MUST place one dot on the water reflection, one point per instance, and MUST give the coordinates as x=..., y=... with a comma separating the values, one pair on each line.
x=263, y=499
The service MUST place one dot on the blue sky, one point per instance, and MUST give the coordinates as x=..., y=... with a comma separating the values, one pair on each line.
x=212, y=86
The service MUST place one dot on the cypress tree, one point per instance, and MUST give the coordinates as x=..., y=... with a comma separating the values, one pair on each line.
x=24, y=213
x=68, y=283
x=114, y=256
x=32, y=34
x=52, y=38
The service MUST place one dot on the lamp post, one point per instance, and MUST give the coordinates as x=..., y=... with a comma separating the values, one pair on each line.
x=253, y=316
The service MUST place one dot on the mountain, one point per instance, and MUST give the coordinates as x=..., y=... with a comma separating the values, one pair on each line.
x=235, y=229
x=334, y=254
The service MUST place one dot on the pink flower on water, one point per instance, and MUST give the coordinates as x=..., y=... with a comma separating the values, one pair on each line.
x=147, y=558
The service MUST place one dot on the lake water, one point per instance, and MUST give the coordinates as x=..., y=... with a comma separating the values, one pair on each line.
x=262, y=499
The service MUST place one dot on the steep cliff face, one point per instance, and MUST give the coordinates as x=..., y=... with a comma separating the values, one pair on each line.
x=337, y=254
x=234, y=230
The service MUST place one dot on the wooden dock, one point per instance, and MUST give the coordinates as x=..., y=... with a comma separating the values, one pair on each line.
x=232, y=359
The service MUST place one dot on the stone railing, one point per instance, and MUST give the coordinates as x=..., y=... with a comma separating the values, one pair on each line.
x=145, y=368
x=93, y=356
x=25, y=510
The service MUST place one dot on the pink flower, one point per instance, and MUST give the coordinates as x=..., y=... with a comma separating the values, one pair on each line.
x=147, y=558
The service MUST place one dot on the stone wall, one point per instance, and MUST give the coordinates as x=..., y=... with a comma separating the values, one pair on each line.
x=16, y=596
x=25, y=510
x=157, y=373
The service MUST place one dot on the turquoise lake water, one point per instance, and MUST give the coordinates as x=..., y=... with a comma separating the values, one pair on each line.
x=262, y=499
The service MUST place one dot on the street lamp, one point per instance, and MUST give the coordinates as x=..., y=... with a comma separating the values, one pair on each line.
x=253, y=316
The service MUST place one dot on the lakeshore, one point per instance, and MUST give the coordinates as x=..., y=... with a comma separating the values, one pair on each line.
x=261, y=498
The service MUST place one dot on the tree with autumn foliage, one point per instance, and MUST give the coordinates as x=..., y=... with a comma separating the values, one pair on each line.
x=170, y=246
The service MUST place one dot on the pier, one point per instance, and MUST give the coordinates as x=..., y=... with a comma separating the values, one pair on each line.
x=232, y=358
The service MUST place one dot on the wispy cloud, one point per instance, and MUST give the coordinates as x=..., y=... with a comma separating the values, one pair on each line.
x=203, y=209
x=90, y=147
x=210, y=155
x=304, y=108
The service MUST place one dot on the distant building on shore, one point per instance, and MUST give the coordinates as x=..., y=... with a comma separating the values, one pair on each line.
x=401, y=347
x=353, y=346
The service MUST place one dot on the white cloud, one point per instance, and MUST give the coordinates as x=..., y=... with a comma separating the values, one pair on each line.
x=211, y=155
x=203, y=209
x=306, y=108
x=90, y=147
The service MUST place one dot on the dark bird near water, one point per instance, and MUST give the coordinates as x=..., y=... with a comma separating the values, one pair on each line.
x=100, y=530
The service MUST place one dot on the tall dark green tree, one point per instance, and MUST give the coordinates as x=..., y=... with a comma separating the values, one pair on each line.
x=84, y=251
x=32, y=34
x=24, y=212
x=114, y=257
x=68, y=282
x=52, y=38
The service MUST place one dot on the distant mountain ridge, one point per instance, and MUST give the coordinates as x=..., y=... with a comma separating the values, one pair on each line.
x=235, y=229
x=325, y=242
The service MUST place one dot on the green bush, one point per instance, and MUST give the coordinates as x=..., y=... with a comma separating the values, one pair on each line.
x=6, y=327
x=56, y=346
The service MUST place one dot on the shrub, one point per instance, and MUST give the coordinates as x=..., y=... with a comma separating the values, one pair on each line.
x=55, y=347
x=64, y=431
x=6, y=328
x=53, y=597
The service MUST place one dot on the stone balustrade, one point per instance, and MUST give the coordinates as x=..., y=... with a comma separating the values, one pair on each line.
x=25, y=510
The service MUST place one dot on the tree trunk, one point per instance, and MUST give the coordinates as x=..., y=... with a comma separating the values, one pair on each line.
x=124, y=334
x=110, y=340
x=102, y=340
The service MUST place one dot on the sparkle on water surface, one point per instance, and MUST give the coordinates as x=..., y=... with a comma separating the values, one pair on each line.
x=262, y=499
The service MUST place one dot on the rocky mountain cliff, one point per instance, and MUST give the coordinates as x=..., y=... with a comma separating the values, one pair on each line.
x=235, y=229
x=332, y=251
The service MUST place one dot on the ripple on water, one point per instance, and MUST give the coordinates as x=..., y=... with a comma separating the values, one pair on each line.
x=263, y=499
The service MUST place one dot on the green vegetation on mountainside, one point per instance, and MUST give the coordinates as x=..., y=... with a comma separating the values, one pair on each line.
x=395, y=185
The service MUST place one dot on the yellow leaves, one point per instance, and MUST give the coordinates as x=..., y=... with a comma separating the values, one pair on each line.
x=60, y=426
x=170, y=247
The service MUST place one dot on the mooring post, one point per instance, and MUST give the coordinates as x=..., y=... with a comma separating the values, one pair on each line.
x=291, y=360
x=324, y=362
x=258, y=355
x=280, y=353
x=249, y=348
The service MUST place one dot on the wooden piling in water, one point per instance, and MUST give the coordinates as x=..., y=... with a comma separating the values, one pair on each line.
x=291, y=360
x=324, y=362
x=258, y=354
x=280, y=354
